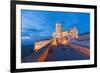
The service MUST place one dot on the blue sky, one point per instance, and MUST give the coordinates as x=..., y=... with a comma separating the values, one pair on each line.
x=38, y=25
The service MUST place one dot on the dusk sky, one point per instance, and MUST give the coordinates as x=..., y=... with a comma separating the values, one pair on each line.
x=38, y=25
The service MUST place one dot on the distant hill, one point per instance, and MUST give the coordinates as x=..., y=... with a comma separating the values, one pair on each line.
x=84, y=36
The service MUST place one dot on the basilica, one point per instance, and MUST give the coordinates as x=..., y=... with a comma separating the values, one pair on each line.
x=59, y=37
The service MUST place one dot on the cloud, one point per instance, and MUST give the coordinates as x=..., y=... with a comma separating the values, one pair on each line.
x=26, y=37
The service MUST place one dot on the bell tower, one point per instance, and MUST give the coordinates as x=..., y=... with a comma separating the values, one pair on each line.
x=58, y=30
